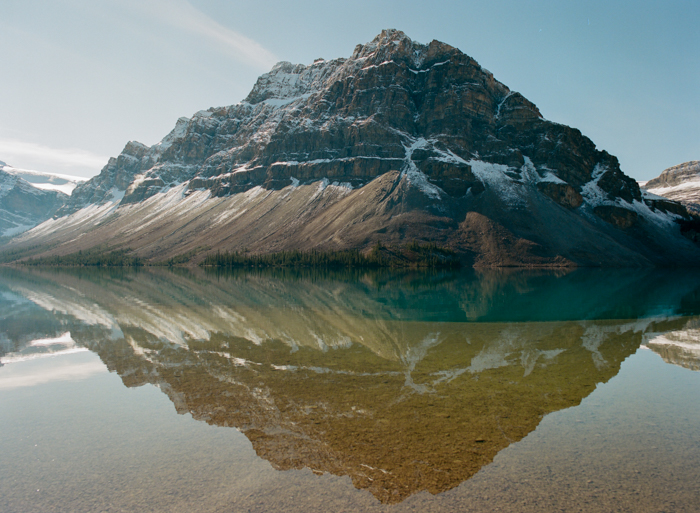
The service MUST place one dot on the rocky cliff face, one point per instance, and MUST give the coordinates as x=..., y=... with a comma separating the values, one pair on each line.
x=400, y=141
x=680, y=183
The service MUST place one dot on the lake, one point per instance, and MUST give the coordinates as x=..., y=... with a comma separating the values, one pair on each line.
x=159, y=390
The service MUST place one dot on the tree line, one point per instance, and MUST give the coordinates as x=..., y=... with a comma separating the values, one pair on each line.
x=413, y=254
x=89, y=258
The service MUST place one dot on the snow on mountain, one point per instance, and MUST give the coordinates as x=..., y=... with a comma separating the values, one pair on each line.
x=45, y=180
x=23, y=205
x=400, y=141
x=680, y=183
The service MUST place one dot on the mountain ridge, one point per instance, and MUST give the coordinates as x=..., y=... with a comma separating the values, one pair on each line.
x=679, y=183
x=28, y=198
x=400, y=141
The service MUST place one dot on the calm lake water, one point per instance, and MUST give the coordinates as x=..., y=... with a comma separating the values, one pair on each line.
x=501, y=391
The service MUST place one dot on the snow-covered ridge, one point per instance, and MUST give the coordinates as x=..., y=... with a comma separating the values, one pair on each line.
x=287, y=81
x=692, y=184
x=44, y=180
x=27, y=198
x=679, y=183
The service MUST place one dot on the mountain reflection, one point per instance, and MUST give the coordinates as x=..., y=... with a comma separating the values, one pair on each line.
x=381, y=377
x=679, y=347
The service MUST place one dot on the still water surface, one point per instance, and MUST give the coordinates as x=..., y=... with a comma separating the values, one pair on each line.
x=179, y=391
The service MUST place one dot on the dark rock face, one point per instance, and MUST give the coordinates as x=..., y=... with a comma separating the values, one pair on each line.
x=352, y=120
x=562, y=193
x=433, y=135
x=617, y=216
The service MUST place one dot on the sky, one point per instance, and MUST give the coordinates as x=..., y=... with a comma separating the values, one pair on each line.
x=81, y=78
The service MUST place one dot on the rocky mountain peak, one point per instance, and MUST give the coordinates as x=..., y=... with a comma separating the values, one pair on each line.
x=389, y=42
x=675, y=175
x=393, y=45
x=137, y=149
x=290, y=81
x=679, y=183
x=439, y=140
x=287, y=81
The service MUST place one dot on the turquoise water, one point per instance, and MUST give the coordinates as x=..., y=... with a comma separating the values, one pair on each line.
x=160, y=391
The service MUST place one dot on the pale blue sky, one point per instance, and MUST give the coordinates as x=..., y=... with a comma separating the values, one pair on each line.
x=80, y=78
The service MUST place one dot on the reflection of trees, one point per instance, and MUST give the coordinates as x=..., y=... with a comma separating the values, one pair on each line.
x=350, y=377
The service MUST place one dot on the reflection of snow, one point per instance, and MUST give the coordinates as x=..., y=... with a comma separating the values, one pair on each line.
x=63, y=339
x=691, y=345
x=31, y=372
x=499, y=354
x=592, y=339
x=43, y=348
x=414, y=355
x=595, y=335
x=680, y=347
x=23, y=357
x=78, y=307
x=529, y=358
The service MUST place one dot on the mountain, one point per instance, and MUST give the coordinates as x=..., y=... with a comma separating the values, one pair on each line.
x=28, y=198
x=401, y=141
x=44, y=180
x=680, y=183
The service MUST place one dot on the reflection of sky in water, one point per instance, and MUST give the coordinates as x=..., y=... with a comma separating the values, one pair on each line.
x=93, y=444
x=48, y=360
x=332, y=381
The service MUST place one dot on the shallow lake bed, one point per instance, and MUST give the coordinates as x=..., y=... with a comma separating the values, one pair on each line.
x=442, y=393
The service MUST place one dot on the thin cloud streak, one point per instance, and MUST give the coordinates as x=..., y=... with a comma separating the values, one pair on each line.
x=20, y=150
x=182, y=15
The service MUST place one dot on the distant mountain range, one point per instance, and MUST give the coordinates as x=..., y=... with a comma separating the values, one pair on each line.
x=399, y=142
x=680, y=183
x=28, y=198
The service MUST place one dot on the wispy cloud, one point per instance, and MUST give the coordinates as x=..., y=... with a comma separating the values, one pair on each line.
x=15, y=151
x=182, y=15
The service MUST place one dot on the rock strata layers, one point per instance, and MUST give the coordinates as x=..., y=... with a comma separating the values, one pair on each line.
x=401, y=141
x=680, y=183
